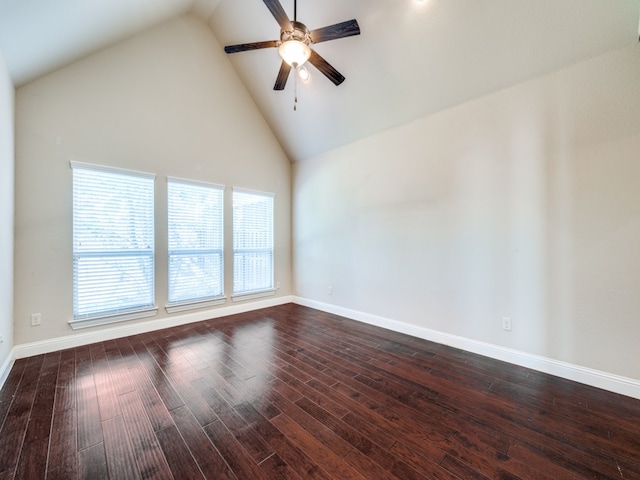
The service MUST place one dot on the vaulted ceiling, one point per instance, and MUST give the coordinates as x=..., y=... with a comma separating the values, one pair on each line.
x=413, y=58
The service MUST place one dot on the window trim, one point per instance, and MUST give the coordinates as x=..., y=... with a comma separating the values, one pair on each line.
x=201, y=302
x=262, y=292
x=108, y=169
x=126, y=314
x=241, y=297
x=195, y=304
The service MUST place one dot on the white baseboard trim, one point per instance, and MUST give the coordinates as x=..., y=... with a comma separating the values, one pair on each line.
x=607, y=381
x=86, y=337
x=595, y=378
x=6, y=366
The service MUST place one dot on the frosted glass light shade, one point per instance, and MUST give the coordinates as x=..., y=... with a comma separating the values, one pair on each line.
x=294, y=52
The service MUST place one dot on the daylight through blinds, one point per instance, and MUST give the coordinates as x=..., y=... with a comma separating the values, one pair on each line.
x=113, y=241
x=195, y=224
x=252, y=241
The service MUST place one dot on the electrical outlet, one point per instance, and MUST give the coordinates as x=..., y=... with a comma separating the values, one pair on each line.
x=506, y=324
x=277, y=285
x=36, y=319
x=330, y=290
x=1, y=338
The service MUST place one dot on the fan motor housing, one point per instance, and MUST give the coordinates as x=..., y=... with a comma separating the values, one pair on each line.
x=300, y=33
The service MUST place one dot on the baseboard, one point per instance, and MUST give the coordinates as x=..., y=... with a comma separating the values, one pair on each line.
x=6, y=366
x=614, y=383
x=595, y=378
x=86, y=338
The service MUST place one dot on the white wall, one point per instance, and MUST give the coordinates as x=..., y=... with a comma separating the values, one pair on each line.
x=524, y=203
x=6, y=215
x=166, y=101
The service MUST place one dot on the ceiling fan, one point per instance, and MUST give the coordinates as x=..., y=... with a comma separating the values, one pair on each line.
x=294, y=44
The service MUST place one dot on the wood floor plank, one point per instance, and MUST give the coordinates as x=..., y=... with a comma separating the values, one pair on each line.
x=160, y=382
x=525, y=462
x=232, y=451
x=433, y=435
x=275, y=467
x=88, y=410
x=8, y=474
x=348, y=433
x=92, y=463
x=288, y=392
x=10, y=387
x=179, y=458
x=369, y=468
x=146, y=448
x=106, y=387
x=155, y=408
x=321, y=454
x=313, y=390
x=323, y=433
x=243, y=433
x=180, y=374
x=33, y=456
x=426, y=460
x=126, y=351
x=208, y=458
x=15, y=426
x=299, y=462
x=119, y=451
x=460, y=469
x=118, y=369
x=63, y=457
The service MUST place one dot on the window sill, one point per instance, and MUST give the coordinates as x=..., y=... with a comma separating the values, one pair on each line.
x=115, y=318
x=183, y=306
x=241, y=297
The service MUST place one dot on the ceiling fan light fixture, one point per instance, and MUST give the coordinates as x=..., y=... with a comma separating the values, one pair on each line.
x=294, y=52
x=304, y=74
x=294, y=44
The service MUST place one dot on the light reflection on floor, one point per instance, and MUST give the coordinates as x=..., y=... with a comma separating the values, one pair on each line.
x=238, y=363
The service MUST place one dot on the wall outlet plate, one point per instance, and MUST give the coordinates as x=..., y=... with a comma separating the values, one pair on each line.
x=36, y=319
x=506, y=324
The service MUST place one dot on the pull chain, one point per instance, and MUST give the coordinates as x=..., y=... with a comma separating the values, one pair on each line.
x=295, y=88
x=295, y=65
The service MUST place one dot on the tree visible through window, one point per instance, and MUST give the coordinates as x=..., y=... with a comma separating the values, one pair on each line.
x=195, y=221
x=252, y=241
x=113, y=241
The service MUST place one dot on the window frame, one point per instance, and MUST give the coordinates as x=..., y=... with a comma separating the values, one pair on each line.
x=134, y=311
x=201, y=301
x=266, y=290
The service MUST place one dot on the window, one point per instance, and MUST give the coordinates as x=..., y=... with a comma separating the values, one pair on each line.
x=113, y=245
x=195, y=221
x=252, y=242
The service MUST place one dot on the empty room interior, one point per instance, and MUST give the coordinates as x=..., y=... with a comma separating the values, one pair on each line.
x=280, y=239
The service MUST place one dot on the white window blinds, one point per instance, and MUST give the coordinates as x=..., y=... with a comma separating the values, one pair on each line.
x=113, y=241
x=252, y=241
x=195, y=227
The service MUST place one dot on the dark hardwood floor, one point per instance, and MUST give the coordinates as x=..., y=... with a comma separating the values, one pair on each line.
x=292, y=393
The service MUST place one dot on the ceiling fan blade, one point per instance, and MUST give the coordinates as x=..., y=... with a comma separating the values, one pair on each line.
x=326, y=69
x=243, y=47
x=333, y=32
x=279, y=14
x=283, y=75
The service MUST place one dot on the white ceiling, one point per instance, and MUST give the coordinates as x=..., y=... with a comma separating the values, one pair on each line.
x=412, y=59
